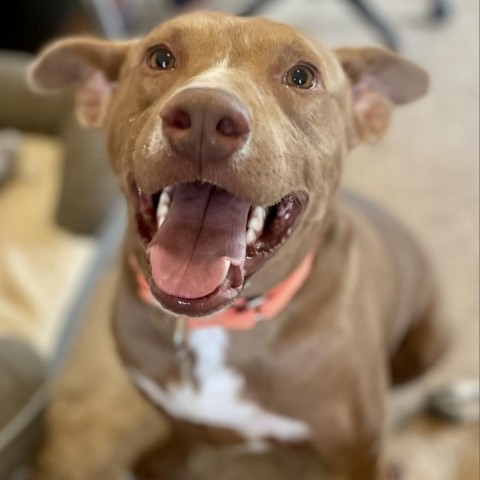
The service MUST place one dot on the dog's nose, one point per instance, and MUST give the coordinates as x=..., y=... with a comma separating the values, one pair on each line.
x=205, y=124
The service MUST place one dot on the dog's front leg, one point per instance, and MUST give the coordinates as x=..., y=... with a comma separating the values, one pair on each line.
x=348, y=431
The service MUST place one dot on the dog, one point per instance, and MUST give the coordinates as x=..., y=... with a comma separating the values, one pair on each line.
x=257, y=304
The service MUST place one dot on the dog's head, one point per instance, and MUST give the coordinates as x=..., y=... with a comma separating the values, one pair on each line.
x=227, y=136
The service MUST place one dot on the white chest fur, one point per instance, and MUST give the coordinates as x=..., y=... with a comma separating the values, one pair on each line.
x=217, y=399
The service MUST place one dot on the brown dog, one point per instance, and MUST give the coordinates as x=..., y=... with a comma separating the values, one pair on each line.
x=228, y=136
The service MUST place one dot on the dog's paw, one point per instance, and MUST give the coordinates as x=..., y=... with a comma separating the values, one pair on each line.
x=456, y=402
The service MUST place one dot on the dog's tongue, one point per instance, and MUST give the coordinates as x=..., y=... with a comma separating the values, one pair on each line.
x=203, y=233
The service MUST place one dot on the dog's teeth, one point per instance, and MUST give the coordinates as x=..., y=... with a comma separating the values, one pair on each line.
x=257, y=219
x=255, y=223
x=165, y=199
x=251, y=236
x=259, y=212
x=163, y=210
x=164, y=203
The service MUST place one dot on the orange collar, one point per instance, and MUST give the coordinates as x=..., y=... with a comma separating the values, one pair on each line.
x=243, y=314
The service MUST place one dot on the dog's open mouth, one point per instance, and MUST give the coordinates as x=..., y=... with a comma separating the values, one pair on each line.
x=202, y=242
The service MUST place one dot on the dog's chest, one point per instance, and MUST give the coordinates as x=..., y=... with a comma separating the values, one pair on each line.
x=215, y=397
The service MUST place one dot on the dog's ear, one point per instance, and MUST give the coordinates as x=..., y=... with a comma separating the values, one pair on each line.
x=91, y=64
x=379, y=79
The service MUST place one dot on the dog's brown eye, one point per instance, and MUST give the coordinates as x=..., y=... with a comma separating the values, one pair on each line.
x=301, y=76
x=161, y=59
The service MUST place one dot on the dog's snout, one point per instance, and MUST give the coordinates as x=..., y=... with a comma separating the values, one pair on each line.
x=206, y=124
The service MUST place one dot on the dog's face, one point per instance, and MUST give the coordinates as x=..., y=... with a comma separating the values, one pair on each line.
x=227, y=136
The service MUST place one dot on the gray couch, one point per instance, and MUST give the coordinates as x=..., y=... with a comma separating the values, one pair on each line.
x=88, y=204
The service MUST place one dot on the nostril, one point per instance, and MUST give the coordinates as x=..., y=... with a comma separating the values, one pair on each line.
x=226, y=127
x=232, y=127
x=178, y=118
x=182, y=120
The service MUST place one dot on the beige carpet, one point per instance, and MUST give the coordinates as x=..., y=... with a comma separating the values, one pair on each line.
x=427, y=172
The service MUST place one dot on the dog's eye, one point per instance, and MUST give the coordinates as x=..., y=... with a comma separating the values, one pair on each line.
x=301, y=76
x=161, y=59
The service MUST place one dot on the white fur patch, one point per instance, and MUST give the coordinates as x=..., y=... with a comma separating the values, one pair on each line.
x=216, y=77
x=156, y=141
x=217, y=401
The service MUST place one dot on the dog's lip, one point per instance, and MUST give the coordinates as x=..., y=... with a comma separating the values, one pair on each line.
x=222, y=297
x=278, y=229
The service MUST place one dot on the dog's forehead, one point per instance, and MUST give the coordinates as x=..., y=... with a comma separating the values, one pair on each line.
x=219, y=35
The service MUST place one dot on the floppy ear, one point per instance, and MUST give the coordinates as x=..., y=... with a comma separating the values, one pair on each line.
x=94, y=65
x=380, y=79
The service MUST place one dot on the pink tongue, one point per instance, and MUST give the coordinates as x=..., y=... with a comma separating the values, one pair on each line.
x=204, y=231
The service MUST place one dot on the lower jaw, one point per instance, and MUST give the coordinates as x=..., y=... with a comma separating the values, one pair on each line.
x=222, y=297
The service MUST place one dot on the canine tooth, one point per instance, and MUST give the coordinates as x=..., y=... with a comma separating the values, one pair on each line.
x=163, y=210
x=168, y=189
x=165, y=199
x=255, y=223
x=251, y=236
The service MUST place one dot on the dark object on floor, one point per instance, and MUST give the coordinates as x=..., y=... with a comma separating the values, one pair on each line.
x=439, y=11
x=373, y=18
